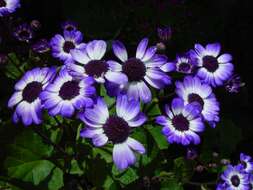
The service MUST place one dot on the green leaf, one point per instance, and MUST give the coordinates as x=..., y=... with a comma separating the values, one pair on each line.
x=74, y=168
x=171, y=184
x=157, y=135
x=183, y=169
x=13, y=67
x=129, y=176
x=153, y=109
x=109, y=100
x=106, y=154
x=56, y=182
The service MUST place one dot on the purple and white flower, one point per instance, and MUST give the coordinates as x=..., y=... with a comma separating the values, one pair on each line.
x=89, y=62
x=25, y=100
x=69, y=26
x=23, y=32
x=66, y=94
x=214, y=69
x=145, y=68
x=8, y=6
x=192, y=89
x=182, y=123
x=185, y=64
x=103, y=128
x=247, y=162
x=61, y=45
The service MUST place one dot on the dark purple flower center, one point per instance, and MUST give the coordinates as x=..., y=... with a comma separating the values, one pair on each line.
x=69, y=27
x=96, y=68
x=69, y=90
x=116, y=129
x=134, y=69
x=210, y=63
x=235, y=180
x=196, y=98
x=68, y=45
x=2, y=3
x=180, y=123
x=24, y=34
x=31, y=91
x=184, y=67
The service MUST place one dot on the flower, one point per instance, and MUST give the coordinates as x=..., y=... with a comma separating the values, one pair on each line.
x=234, y=84
x=26, y=99
x=23, y=32
x=89, y=62
x=66, y=94
x=235, y=178
x=182, y=124
x=61, y=45
x=214, y=68
x=192, y=89
x=41, y=46
x=69, y=26
x=185, y=64
x=165, y=33
x=146, y=67
x=8, y=6
x=247, y=162
x=103, y=128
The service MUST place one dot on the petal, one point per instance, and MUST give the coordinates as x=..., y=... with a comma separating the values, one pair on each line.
x=168, y=67
x=15, y=99
x=116, y=77
x=24, y=111
x=99, y=49
x=199, y=49
x=130, y=109
x=141, y=49
x=114, y=66
x=80, y=56
x=132, y=91
x=149, y=53
x=162, y=120
x=138, y=120
x=55, y=110
x=120, y=50
x=67, y=109
x=213, y=49
x=135, y=145
x=144, y=92
x=177, y=106
x=192, y=111
x=99, y=140
x=225, y=58
x=90, y=132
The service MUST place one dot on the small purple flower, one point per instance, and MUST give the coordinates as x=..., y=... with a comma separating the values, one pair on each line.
x=191, y=154
x=235, y=178
x=103, y=128
x=69, y=26
x=192, y=89
x=165, y=33
x=61, y=45
x=146, y=67
x=247, y=162
x=214, y=69
x=25, y=100
x=185, y=64
x=234, y=84
x=89, y=62
x=182, y=123
x=8, y=6
x=23, y=32
x=41, y=46
x=66, y=94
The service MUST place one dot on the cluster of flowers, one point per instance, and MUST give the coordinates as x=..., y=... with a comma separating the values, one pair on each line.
x=71, y=90
x=238, y=177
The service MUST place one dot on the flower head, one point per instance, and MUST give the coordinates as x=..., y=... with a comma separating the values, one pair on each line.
x=23, y=32
x=69, y=26
x=185, y=64
x=146, y=67
x=192, y=89
x=182, y=123
x=235, y=178
x=247, y=162
x=89, y=62
x=66, y=94
x=25, y=100
x=8, y=6
x=61, y=45
x=103, y=128
x=41, y=46
x=234, y=84
x=214, y=69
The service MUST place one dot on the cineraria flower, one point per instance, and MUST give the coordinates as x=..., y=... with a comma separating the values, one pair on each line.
x=89, y=62
x=185, y=64
x=165, y=33
x=146, y=68
x=192, y=89
x=66, y=94
x=23, y=32
x=69, y=26
x=61, y=45
x=247, y=162
x=104, y=128
x=8, y=6
x=26, y=97
x=235, y=178
x=41, y=46
x=234, y=84
x=214, y=69
x=182, y=124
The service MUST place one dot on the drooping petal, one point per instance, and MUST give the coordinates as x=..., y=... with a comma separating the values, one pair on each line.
x=135, y=145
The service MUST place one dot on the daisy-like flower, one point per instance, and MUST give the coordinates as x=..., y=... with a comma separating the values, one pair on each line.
x=104, y=128
x=89, y=62
x=69, y=26
x=8, y=6
x=25, y=100
x=247, y=162
x=235, y=178
x=66, y=94
x=41, y=46
x=185, y=64
x=146, y=67
x=214, y=68
x=182, y=123
x=192, y=89
x=23, y=32
x=61, y=45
